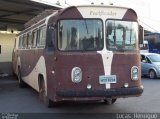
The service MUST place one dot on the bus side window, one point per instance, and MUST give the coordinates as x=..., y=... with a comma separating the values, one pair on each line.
x=42, y=37
x=24, y=41
x=20, y=42
x=29, y=40
x=34, y=38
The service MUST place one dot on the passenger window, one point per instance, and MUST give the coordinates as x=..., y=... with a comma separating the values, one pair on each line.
x=42, y=37
x=34, y=38
x=29, y=40
x=24, y=41
x=20, y=42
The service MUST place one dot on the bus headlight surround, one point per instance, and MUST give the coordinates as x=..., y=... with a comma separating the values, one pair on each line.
x=134, y=73
x=76, y=75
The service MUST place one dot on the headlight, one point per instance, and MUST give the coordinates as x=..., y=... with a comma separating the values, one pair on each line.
x=76, y=75
x=134, y=73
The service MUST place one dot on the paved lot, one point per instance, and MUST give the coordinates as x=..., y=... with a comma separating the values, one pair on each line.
x=25, y=100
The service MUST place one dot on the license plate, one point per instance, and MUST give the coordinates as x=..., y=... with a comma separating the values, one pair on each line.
x=103, y=79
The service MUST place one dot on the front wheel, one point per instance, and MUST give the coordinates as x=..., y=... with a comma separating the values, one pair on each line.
x=43, y=94
x=152, y=74
x=110, y=101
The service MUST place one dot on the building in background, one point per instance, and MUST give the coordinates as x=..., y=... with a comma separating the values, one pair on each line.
x=13, y=15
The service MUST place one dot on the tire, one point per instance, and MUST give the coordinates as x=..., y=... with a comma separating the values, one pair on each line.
x=110, y=101
x=43, y=95
x=152, y=74
x=20, y=81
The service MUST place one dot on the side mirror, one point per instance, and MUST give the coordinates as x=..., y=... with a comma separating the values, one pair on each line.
x=141, y=34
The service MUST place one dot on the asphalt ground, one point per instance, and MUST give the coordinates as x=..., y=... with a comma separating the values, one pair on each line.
x=25, y=100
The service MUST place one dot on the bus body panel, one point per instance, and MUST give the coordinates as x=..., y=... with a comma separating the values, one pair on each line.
x=92, y=67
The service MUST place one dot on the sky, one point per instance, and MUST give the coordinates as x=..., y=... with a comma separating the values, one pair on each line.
x=147, y=10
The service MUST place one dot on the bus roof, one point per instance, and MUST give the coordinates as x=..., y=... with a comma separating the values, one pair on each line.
x=50, y=12
x=39, y=17
x=109, y=6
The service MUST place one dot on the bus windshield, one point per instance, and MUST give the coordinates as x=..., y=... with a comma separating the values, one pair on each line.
x=76, y=35
x=121, y=35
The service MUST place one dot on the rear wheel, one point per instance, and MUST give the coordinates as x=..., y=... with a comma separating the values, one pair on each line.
x=152, y=74
x=43, y=94
x=110, y=101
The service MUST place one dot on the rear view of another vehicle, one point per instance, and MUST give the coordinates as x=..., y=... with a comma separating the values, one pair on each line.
x=150, y=63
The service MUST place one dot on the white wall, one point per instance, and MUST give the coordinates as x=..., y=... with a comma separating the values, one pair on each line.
x=7, y=44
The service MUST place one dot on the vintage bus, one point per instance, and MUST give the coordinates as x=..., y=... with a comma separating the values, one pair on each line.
x=81, y=53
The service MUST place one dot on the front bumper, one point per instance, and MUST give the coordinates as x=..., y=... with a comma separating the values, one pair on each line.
x=122, y=92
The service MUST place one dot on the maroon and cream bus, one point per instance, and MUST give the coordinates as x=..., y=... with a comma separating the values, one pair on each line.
x=81, y=53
